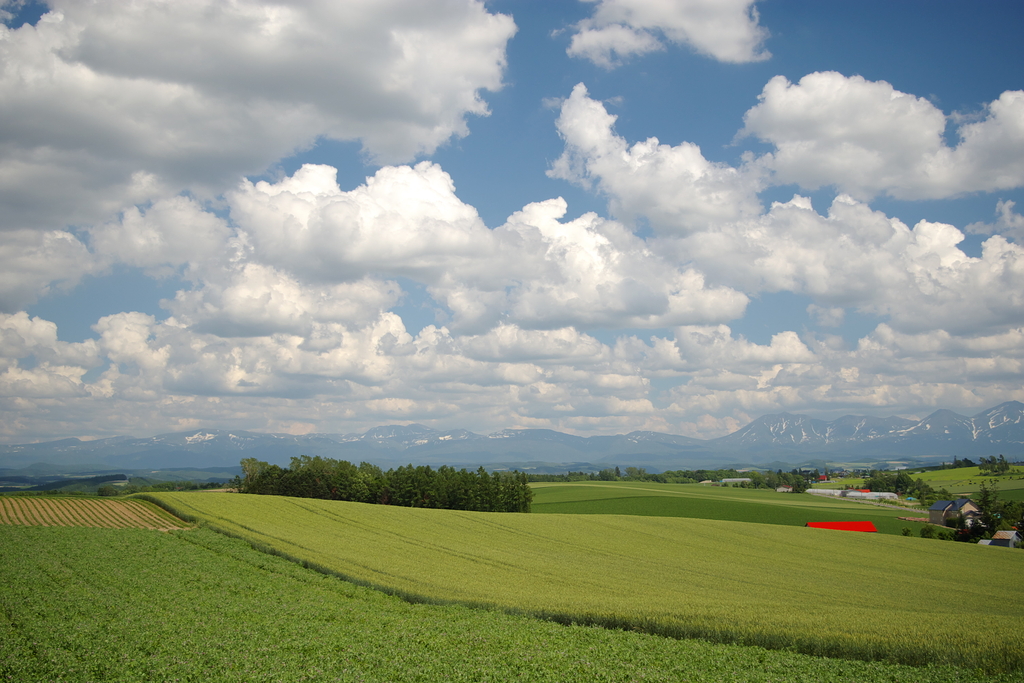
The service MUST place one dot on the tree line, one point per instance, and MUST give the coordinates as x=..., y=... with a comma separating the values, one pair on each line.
x=903, y=484
x=444, y=488
x=990, y=465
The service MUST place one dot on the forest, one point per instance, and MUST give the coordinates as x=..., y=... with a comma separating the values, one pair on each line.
x=408, y=486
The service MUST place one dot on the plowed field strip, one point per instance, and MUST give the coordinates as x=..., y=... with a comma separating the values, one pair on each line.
x=158, y=515
x=33, y=513
x=20, y=514
x=142, y=516
x=74, y=512
x=86, y=512
x=50, y=511
x=7, y=513
x=65, y=512
x=102, y=513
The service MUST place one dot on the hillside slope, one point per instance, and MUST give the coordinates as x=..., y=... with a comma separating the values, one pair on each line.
x=828, y=593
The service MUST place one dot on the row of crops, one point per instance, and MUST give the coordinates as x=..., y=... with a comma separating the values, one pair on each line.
x=91, y=512
x=827, y=593
x=89, y=604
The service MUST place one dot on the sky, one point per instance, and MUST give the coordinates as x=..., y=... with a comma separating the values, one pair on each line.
x=594, y=216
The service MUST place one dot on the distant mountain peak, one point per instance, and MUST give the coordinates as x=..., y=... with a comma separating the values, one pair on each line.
x=778, y=436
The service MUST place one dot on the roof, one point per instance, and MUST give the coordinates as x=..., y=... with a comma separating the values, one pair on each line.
x=843, y=526
x=1005, y=535
x=955, y=505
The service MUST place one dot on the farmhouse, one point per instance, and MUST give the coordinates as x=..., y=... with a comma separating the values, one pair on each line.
x=944, y=510
x=738, y=480
x=1004, y=539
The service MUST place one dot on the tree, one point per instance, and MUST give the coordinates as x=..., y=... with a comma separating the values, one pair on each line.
x=636, y=473
x=992, y=465
x=988, y=506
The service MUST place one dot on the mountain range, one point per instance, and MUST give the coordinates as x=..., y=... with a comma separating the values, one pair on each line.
x=768, y=441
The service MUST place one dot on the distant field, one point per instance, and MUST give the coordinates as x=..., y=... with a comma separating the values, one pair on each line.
x=839, y=484
x=711, y=502
x=828, y=593
x=88, y=512
x=128, y=605
x=960, y=481
x=968, y=480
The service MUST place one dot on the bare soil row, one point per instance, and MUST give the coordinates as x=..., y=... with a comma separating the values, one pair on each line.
x=91, y=512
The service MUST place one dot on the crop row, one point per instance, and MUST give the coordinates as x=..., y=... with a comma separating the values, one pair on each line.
x=827, y=593
x=90, y=512
x=130, y=605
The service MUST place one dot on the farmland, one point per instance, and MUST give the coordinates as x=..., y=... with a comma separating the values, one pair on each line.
x=85, y=512
x=709, y=502
x=828, y=593
x=958, y=481
x=968, y=480
x=129, y=605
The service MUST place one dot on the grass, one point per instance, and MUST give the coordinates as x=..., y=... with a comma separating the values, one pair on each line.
x=129, y=605
x=960, y=481
x=826, y=593
x=968, y=480
x=711, y=502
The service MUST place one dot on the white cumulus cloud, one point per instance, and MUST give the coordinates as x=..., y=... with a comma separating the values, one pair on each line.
x=675, y=188
x=867, y=138
x=123, y=103
x=726, y=30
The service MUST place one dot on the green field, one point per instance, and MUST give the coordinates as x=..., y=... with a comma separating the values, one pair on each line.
x=968, y=481
x=838, y=594
x=713, y=502
x=130, y=605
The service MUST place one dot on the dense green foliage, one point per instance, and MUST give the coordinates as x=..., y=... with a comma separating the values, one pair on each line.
x=105, y=605
x=827, y=593
x=993, y=465
x=709, y=502
x=902, y=483
x=444, y=488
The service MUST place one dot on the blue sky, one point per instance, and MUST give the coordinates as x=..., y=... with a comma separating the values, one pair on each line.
x=587, y=216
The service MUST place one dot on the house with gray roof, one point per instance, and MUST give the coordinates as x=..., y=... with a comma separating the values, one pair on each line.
x=945, y=510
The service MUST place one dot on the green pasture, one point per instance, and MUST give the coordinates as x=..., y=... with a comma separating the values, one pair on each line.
x=763, y=506
x=818, y=592
x=852, y=482
x=968, y=481
x=130, y=605
x=965, y=481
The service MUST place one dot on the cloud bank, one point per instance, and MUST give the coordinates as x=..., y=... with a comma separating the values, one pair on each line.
x=292, y=314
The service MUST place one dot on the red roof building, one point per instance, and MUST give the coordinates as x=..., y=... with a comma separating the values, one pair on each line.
x=844, y=526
